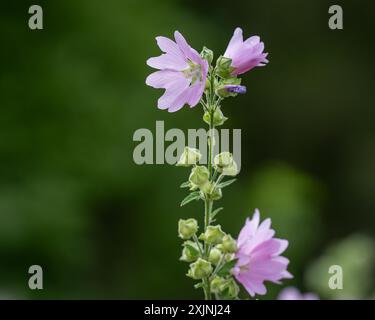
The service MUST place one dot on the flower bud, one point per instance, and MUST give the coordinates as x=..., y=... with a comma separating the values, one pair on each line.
x=207, y=54
x=223, y=67
x=190, y=252
x=208, y=189
x=230, y=90
x=187, y=228
x=215, y=256
x=199, y=175
x=213, y=235
x=231, y=288
x=215, y=194
x=229, y=245
x=200, y=269
x=217, y=283
x=189, y=157
x=223, y=160
x=218, y=117
x=208, y=85
x=231, y=170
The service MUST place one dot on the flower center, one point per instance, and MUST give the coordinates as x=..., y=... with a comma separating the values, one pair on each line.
x=194, y=72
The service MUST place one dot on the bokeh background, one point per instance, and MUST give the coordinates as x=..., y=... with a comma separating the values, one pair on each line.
x=71, y=96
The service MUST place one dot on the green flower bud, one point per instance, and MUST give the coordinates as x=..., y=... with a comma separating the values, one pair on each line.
x=199, y=175
x=200, y=269
x=193, y=187
x=215, y=194
x=223, y=160
x=208, y=84
x=217, y=283
x=215, y=256
x=223, y=67
x=231, y=170
x=189, y=157
x=231, y=288
x=218, y=117
x=190, y=252
x=229, y=245
x=187, y=228
x=213, y=235
x=207, y=54
x=212, y=193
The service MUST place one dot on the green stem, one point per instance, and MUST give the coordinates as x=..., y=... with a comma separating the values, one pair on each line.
x=209, y=203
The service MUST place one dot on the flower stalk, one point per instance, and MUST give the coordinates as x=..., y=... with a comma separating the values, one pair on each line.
x=215, y=259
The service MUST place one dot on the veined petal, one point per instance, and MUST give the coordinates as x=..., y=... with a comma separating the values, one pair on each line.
x=252, y=41
x=234, y=43
x=172, y=93
x=189, y=52
x=163, y=78
x=167, y=61
x=168, y=46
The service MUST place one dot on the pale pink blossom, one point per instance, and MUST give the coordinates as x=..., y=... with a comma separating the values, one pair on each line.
x=246, y=54
x=259, y=256
x=291, y=293
x=182, y=73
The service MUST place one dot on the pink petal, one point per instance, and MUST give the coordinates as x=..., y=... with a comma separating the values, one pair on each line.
x=234, y=43
x=188, y=51
x=163, y=78
x=168, y=46
x=167, y=61
x=172, y=93
x=252, y=41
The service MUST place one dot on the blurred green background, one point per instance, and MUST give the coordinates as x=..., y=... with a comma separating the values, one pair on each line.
x=71, y=96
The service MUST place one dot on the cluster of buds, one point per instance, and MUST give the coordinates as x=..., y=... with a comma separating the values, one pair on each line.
x=211, y=253
x=212, y=266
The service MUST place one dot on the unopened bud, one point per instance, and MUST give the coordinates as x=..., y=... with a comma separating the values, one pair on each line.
x=213, y=235
x=210, y=191
x=190, y=252
x=207, y=54
x=229, y=245
x=217, y=283
x=215, y=256
x=223, y=160
x=199, y=175
x=231, y=170
x=223, y=67
x=187, y=228
x=200, y=269
x=189, y=157
x=218, y=117
x=232, y=289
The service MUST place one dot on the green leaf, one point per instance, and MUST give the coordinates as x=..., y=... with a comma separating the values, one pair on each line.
x=185, y=184
x=226, y=268
x=198, y=285
x=215, y=212
x=192, y=196
x=225, y=183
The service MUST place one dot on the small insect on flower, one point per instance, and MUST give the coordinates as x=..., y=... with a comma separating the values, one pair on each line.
x=182, y=73
x=259, y=257
x=246, y=54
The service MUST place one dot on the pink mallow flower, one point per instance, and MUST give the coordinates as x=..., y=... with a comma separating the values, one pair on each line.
x=291, y=293
x=246, y=54
x=182, y=73
x=259, y=257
